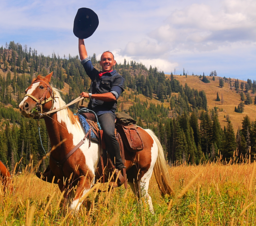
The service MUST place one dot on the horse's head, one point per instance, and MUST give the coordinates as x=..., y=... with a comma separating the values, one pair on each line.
x=38, y=98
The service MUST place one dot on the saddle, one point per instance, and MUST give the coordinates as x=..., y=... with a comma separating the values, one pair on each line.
x=125, y=127
x=127, y=135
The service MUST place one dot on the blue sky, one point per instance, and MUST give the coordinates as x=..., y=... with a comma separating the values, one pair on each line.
x=199, y=36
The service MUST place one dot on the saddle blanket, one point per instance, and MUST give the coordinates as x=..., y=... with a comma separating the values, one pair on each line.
x=86, y=127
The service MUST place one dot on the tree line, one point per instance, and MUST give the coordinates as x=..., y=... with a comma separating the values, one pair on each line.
x=187, y=129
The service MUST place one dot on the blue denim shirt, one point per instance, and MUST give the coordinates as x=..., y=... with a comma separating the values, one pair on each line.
x=109, y=82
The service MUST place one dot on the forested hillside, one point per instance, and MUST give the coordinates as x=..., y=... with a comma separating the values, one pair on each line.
x=188, y=129
x=233, y=98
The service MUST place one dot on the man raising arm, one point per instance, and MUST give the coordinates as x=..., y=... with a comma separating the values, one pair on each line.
x=106, y=87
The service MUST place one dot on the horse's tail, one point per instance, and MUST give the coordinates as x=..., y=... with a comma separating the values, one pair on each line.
x=6, y=177
x=160, y=169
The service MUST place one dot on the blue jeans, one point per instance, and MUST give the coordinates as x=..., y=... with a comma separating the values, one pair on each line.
x=107, y=122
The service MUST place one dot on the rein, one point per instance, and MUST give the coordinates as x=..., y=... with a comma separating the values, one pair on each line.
x=67, y=105
x=40, y=137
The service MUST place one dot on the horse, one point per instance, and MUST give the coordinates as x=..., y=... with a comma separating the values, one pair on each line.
x=5, y=177
x=83, y=163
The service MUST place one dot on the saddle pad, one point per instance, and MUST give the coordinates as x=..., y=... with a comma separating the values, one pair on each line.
x=86, y=127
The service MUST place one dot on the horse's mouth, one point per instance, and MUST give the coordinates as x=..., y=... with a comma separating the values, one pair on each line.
x=27, y=114
x=30, y=113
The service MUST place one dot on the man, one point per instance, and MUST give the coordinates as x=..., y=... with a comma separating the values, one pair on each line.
x=106, y=87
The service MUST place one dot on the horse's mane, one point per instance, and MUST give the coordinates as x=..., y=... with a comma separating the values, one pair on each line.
x=63, y=103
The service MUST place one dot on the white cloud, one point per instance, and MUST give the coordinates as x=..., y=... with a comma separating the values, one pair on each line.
x=145, y=47
x=201, y=27
x=159, y=63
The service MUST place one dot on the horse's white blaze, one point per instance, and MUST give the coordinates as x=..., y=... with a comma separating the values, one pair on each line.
x=30, y=91
x=91, y=154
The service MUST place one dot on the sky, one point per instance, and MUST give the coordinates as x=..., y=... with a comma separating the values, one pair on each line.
x=198, y=36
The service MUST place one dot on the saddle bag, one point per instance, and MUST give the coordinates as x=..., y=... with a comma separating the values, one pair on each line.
x=131, y=137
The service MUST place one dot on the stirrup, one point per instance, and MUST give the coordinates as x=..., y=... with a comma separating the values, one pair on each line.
x=118, y=181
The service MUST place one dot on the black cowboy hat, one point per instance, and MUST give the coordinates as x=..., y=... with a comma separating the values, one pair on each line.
x=85, y=23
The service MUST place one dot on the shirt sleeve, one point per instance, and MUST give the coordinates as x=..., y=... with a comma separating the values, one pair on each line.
x=89, y=69
x=118, y=86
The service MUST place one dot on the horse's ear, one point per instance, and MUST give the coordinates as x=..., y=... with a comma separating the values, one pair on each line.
x=48, y=77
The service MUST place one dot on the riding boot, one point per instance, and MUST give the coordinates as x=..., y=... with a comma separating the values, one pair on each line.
x=121, y=179
x=118, y=160
x=47, y=175
x=118, y=174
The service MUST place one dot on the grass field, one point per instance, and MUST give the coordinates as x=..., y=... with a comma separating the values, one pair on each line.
x=209, y=194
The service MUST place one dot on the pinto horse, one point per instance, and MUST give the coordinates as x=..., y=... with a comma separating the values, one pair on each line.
x=83, y=163
x=5, y=177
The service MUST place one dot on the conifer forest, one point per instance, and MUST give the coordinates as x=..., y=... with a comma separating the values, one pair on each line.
x=188, y=129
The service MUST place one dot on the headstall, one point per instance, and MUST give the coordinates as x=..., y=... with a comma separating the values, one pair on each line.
x=43, y=100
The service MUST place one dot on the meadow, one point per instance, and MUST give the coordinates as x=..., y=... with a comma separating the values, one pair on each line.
x=208, y=194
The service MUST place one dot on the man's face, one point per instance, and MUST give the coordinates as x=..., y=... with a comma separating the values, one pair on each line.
x=107, y=61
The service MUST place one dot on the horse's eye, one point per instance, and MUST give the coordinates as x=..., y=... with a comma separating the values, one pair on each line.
x=41, y=87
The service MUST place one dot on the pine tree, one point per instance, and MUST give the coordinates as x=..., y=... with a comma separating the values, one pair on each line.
x=221, y=82
x=194, y=125
x=248, y=99
x=237, y=85
x=218, y=98
x=246, y=126
x=178, y=144
x=3, y=148
x=200, y=157
x=246, y=131
x=241, y=144
x=242, y=96
x=253, y=140
x=22, y=142
x=216, y=132
x=191, y=146
x=229, y=145
x=206, y=133
x=205, y=80
x=168, y=136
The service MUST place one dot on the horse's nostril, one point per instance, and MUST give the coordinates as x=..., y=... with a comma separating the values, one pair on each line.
x=26, y=105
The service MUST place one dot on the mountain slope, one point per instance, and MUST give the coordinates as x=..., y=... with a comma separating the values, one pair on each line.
x=230, y=97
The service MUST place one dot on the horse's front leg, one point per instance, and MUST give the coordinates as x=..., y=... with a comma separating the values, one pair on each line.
x=63, y=186
x=83, y=187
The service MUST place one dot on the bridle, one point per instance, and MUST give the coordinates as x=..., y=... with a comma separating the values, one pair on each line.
x=43, y=100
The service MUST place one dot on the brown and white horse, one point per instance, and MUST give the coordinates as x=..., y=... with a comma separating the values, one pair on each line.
x=5, y=177
x=82, y=165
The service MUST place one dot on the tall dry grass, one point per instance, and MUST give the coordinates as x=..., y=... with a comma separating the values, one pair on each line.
x=209, y=194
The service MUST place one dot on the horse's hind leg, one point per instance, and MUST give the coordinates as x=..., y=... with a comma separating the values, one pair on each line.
x=140, y=188
x=143, y=186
